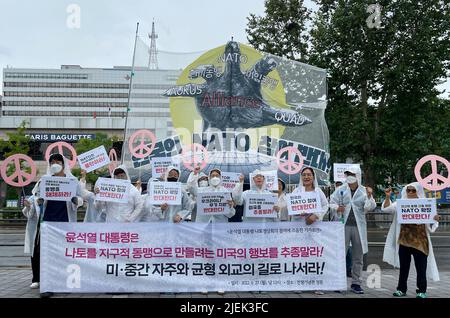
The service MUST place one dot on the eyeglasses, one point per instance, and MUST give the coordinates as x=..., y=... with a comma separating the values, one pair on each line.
x=411, y=190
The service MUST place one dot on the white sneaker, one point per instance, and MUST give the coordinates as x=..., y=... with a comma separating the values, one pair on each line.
x=34, y=286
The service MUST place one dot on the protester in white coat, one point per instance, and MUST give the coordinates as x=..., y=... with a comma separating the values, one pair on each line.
x=349, y=203
x=172, y=213
x=257, y=187
x=215, y=185
x=197, y=179
x=406, y=240
x=130, y=211
x=38, y=210
x=92, y=215
x=282, y=204
x=308, y=183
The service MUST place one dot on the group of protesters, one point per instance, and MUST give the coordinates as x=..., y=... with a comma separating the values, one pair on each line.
x=348, y=204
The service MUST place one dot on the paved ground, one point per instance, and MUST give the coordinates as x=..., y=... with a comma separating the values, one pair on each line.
x=15, y=282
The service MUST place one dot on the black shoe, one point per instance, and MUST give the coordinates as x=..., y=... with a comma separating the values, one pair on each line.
x=46, y=295
x=357, y=289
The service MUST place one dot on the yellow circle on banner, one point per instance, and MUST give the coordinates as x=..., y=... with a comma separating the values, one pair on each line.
x=183, y=109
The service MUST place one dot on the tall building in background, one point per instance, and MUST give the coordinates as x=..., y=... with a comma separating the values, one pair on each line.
x=77, y=100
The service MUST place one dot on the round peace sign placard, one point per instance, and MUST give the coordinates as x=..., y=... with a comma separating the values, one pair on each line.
x=193, y=160
x=112, y=161
x=431, y=182
x=142, y=150
x=23, y=178
x=61, y=145
x=290, y=166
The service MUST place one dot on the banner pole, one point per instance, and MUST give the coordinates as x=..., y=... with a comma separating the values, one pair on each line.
x=129, y=94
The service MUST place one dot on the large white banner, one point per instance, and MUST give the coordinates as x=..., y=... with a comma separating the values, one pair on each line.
x=58, y=188
x=191, y=257
x=416, y=211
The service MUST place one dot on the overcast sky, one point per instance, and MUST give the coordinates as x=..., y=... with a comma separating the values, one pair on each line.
x=35, y=33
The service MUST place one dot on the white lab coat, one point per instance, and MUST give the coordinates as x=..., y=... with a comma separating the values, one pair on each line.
x=360, y=204
x=282, y=204
x=123, y=212
x=92, y=214
x=390, y=254
x=32, y=214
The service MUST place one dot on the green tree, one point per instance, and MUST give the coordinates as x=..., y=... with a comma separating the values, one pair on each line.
x=383, y=106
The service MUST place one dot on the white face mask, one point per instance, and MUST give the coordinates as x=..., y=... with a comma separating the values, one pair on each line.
x=55, y=168
x=203, y=184
x=215, y=181
x=351, y=179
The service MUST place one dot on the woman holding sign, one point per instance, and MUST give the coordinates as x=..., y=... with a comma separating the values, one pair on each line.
x=252, y=210
x=406, y=240
x=309, y=183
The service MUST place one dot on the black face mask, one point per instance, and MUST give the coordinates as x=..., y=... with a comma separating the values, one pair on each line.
x=172, y=179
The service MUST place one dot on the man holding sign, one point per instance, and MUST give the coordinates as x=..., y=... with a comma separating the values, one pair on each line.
x=406, y=240
x=110, y=201
x=258, y=195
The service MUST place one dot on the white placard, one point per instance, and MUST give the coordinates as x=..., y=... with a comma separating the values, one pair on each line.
x=339, y=169
x=303, y=203
x=271, y=179
x=93, y=159
x=165, y=192
x=416, y=211
x=230, y=179
x=213, y=203
x=113, y=190
x=260, y=205
x=160, y=165
x=58, y=188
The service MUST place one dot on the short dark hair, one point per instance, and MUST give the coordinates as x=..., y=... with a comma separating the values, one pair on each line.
x=57, y=157
x=118, y=171
x=217, y=170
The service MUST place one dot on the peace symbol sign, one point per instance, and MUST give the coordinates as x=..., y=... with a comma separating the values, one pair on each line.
x=142, y=150
x=112, y=161
x=23, y=178
x=192, y=160
x=61, y=145
x=431, y=182
x=289, y=166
